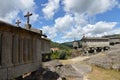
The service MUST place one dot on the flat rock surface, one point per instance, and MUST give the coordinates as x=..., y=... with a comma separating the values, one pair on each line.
x=109, y=59
x=69, y=71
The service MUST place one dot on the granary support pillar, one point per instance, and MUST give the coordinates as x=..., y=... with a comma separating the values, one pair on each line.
x=49, y=56
x=95, y=50
x=102, y=49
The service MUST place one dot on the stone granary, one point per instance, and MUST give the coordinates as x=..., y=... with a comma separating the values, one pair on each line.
x=94, y=44
x=113, y=39
x=21, y=50
x=75, y=44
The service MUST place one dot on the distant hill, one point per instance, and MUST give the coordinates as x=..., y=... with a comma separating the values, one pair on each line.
x=58, y=45
x=68, y=44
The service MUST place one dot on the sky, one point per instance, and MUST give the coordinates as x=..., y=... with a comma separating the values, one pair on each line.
x=65, y=20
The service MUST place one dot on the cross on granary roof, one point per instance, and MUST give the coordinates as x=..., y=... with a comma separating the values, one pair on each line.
x=27, y=16
x=18, y=22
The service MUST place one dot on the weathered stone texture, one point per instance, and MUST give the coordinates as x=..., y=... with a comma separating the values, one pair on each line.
x=15, y=52
x=3, y=74
x=109, y=60
x=6, y=49
x=20, y=51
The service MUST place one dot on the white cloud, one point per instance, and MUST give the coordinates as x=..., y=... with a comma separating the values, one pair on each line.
x=9, y=16
x=9, y=10
x=99, y=29
x=50, y=31
x=50, y=8
x=64, y=23
x=90, y=7
x=75, y=22
x=34, y=17
x=71, y=27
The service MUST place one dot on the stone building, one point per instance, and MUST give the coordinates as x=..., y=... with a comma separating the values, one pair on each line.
x=94, y=44
x=75, y=44
x=113, y=39
x=21, y=50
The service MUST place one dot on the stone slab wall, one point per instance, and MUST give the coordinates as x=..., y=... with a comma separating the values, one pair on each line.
x=45, y=46
x=97, y=44
x=20, y=51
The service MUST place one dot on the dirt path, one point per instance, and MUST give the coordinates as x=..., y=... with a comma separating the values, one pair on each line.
x=79, y=58
x=74, y=60
x=77, y=64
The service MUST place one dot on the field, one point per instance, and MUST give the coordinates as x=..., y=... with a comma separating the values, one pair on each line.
x=103, y=74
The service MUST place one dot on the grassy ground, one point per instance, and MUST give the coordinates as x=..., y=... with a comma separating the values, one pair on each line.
x=103, y=74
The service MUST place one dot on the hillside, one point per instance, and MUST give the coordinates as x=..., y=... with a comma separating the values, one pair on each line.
x=60, y=46
x=68, y=44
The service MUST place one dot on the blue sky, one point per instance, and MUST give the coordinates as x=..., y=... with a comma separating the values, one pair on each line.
x=64, y=20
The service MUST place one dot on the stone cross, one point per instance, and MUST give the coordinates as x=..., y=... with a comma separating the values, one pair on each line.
x=18, y=22
x=27, y=16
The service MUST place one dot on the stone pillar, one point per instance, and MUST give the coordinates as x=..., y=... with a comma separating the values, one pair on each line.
x=49, y=56
x=95, y=50
x=15, y=51
x=21, y=49
x=102, y=49
x=6, y=49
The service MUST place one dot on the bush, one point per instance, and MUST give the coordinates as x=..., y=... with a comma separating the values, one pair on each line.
x=61, y=54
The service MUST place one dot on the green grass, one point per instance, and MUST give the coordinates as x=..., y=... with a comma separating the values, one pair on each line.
x=103, y=74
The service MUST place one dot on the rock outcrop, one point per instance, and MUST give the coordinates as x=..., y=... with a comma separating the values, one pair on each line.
x=109, y=59
x=68, y=71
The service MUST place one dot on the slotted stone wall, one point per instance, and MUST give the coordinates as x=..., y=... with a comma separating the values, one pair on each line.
x=20, y=51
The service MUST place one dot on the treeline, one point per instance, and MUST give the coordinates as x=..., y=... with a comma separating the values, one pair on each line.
x=64, y=52
x=60, y=46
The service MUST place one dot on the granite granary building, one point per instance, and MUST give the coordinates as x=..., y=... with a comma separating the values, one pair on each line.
x=21, y=49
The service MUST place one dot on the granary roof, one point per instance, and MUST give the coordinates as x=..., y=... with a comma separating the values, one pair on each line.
x=2, y=23
x=115, y=36
x=32, y=30
x=95, y=38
